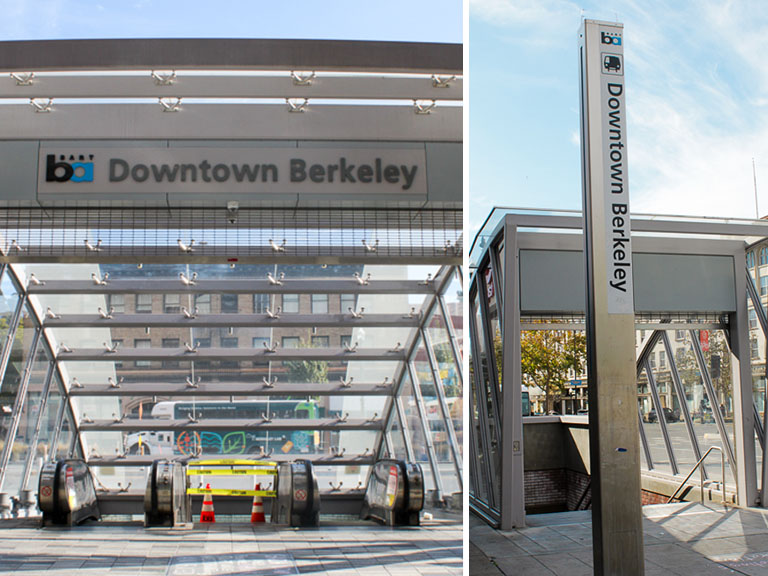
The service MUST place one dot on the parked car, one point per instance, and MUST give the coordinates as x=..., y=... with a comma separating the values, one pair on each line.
x=669, y=415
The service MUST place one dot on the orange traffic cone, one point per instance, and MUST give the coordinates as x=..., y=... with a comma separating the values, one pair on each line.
x=207, y=514
x=257, y=511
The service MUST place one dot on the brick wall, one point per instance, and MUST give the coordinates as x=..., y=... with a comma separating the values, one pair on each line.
x=545, y=490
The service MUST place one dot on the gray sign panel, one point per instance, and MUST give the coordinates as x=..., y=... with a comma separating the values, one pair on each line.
x=120, y=171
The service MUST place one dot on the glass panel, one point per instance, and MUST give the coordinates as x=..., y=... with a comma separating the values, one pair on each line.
x=27, y=419
x=9, y=299
x=436, y=424
x=416, y=432
x=44, y=450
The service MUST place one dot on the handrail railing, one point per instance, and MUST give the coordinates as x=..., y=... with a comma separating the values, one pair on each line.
x=701, y=470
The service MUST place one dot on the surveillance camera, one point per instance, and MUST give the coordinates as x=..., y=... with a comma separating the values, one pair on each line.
x=232, y=208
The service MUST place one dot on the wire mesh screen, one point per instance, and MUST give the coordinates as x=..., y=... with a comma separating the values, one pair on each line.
x=100, y=234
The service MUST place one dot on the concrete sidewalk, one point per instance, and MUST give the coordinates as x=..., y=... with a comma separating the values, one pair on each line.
x=345, y=549
x=680, y=539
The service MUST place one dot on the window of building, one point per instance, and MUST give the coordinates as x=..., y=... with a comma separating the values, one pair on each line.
x=753, y=348
x=118, y=342
x=345, y=339
x=763, y=285
x=290, y=342
x=171, y=303
x=751, y=259
x=321, y=341
x=143, y=303
x=260, y=303
x=652, y=360
x=662, y=359
x=291, y=303
x=229, y=342
x=752, y=319
x=348, y=301
x=203, y=343
x=116, y=301
x=171, y=343
x=229, y=303
x=203, y=303
x=319, y=303
x=763, y=255
x=140, y=343
x=679, y=335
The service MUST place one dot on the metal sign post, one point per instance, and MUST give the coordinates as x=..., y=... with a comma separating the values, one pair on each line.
x=613, y=431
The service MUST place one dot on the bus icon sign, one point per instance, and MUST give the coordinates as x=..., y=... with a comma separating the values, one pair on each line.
x=613, y=64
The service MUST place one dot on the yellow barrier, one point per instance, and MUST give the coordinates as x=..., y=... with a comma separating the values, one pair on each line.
x=230, y=463
x=226, y=492
x=210, y=472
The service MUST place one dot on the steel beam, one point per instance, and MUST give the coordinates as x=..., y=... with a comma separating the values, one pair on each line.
x=232, y=320
x=737, y=335
x=512, y=463
x=433, y=464
x=221, y=86
x=21, y=397
x=230, y=54
x=342, y=122
x=455, y=349
x=255, y=389
x=482, y=405
x=33, y=442
x=59, y=425
x=238, y=354
x=232, y=286
x=403, y=421
x=13, y=325
x=317, y=459
x=233, y=425
x=682, y=400
x=661, y=417
x=704, y=370
x=447, y=420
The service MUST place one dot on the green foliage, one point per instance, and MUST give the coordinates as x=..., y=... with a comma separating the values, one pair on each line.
x=312, y=371
x=547, y=356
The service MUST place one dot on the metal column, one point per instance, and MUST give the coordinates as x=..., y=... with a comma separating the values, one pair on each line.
x=743, y=402
x=512, y=464
x=660, y=415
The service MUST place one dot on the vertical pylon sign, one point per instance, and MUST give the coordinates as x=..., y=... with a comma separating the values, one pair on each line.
x=610, y=320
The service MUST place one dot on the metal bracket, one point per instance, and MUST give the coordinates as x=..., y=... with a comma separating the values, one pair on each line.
x=164, y=78
x=442, y=81
x=41, y=105
x=423, y=106
x=170, y=104
x=297, y=105
x=23, y=78
x=302, y=78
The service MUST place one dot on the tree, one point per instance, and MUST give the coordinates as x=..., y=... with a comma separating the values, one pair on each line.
x=547, y=357
x=310, y=371
x=690, y=375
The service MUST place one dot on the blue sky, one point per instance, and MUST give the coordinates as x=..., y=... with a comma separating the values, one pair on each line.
x=697, y=101
x=394, y=20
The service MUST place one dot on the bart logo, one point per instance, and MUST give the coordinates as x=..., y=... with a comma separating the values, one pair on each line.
x=71, y=170
x=608, y=38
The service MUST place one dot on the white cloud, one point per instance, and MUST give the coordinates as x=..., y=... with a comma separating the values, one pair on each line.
x=535, y=22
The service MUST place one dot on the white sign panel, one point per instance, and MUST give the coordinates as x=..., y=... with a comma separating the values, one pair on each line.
x=607, y=57
x=109, y=171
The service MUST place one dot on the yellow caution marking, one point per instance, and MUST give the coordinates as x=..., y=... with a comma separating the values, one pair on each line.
x=230, y=463
x=225, y=492
x=220, y=472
